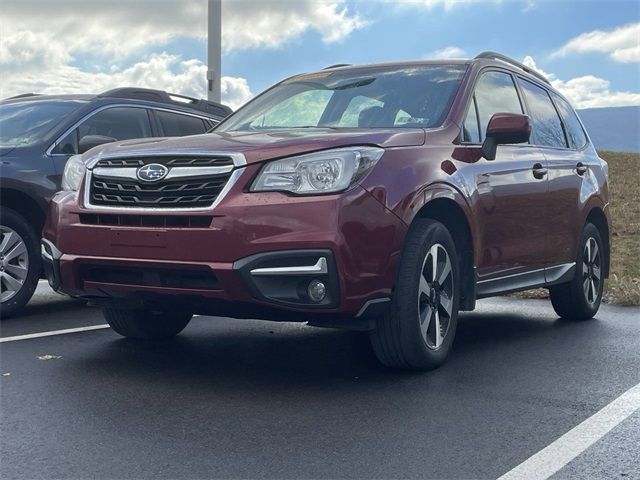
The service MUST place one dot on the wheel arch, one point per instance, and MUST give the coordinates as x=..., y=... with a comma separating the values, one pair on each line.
x=597, y=217
x=25, y=206
x=445, y=205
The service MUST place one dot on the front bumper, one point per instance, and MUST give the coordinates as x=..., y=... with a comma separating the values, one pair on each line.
x=226, y=267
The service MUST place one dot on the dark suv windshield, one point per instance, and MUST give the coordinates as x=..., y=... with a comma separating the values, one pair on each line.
x=23, y=123
x=369, y=97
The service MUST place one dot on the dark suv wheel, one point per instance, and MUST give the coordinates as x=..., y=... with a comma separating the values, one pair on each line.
x=418, y=332
x=580, y=298
x=20, y=262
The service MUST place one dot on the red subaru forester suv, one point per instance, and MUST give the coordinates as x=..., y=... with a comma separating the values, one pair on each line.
x=383, y=198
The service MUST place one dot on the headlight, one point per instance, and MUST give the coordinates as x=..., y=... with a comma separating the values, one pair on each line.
x=73, y=173
x=321, y=172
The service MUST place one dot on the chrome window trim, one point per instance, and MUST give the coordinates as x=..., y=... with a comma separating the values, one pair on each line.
x=118, y=105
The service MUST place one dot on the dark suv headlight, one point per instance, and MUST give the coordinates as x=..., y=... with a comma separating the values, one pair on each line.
x=74, y=171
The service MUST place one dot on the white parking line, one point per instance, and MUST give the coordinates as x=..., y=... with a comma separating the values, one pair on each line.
x=552, y=458
x=54, y=332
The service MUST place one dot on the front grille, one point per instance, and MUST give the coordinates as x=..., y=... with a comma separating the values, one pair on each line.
x=111, y=189
x=163, y=221
x=151, y=277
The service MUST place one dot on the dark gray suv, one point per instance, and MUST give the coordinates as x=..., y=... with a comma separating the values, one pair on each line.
x=38, y=134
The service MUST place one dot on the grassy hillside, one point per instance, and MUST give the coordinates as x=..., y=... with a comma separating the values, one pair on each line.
x=623, y=285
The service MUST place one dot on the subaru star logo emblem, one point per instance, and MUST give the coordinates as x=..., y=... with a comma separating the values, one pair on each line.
x=152, y=172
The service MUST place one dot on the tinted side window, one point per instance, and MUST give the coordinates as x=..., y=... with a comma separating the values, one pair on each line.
x=573, y=129
x=121, y=123
x=495, y=93
x=471, y=128
x=546, y=126
x=177, y=125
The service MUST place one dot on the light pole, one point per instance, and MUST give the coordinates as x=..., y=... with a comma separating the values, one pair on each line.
x=214, y=49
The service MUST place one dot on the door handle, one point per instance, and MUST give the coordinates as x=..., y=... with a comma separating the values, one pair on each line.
x=581, y=168
x=539, y=171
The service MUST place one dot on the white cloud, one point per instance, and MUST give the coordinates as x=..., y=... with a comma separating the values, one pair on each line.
x=446, y=4
x=250, y=24
x=622, y=44
x=42, y=41
x=163, y=71
x=588, y=91
x=446, y=53
x=120, y=28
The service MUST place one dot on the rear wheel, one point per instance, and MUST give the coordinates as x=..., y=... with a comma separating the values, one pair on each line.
x=146, y=324
x=418, y=331
x=580, y=299
x=20, y=262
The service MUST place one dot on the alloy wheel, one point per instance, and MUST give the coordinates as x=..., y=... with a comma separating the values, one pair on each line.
x=435, y=296
x=14, y=263
x=591, y=271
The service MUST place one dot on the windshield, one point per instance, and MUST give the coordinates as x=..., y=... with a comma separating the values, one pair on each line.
x=24, y=123
x=369, y=97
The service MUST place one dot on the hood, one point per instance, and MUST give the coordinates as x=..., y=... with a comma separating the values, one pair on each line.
x=260, y=146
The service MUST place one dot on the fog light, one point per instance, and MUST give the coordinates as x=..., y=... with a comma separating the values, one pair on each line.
x=316, y=291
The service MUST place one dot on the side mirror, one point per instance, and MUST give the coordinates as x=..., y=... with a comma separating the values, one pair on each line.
x=89, y=141
x=503, y=129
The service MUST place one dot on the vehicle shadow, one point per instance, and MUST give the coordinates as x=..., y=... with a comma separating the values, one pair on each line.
x=216, y=354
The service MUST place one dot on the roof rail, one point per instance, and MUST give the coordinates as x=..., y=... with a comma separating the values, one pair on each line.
x=23, y=95
x=511, y=61
x=337, y=65
x=161, y=96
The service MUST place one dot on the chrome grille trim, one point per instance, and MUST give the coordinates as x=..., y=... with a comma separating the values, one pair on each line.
x=174, y=173
x=129, y=173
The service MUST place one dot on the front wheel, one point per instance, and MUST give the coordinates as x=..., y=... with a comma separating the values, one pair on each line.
x=20, y=263
x=580, y=298
x=418, y=331
x=146, y=324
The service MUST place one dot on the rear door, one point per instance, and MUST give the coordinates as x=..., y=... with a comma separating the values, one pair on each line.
x=555, y=139
x=511, y=196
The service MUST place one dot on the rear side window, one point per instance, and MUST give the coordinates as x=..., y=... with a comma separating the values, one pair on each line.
x=121, y=123
x=177, y=125
x=546, y=126
x=495, y=93
x=575, y=133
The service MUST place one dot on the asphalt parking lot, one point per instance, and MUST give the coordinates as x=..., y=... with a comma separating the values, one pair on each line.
x=251, y=399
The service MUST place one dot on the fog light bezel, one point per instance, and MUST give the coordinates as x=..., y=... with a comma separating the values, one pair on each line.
x=290, y=289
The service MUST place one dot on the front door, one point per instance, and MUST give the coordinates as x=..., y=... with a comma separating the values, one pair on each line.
x=510, y=205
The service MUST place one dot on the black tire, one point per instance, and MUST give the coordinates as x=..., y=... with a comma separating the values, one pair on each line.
x=399, y=340
x=14, y=221
x=573, y=300
x=146, y=324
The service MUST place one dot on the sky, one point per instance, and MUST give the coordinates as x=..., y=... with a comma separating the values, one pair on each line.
x=589, y=49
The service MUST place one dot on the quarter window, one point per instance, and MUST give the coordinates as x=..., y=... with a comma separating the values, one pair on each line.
x=573, y=128
x=546, y=126
x=471, y=130
x=495, y=93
